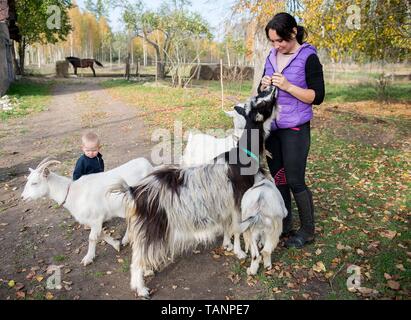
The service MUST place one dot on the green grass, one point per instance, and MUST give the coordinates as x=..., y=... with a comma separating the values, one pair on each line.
x=59, y=258
x=360, y=191
x=196, y=107
x=360, y=92
x=29, y=96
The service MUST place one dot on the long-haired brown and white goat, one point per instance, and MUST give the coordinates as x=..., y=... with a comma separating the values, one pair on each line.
x=174, y=209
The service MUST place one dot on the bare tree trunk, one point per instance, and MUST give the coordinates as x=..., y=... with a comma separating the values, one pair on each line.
x=22, y=49
x=17, y=69
x=144, y=53
x=261, y=48
x=111, y=56
x=71, y=45
x=132, y=52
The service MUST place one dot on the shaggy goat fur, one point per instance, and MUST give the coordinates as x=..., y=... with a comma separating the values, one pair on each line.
x=262, y=211
x=174, y=209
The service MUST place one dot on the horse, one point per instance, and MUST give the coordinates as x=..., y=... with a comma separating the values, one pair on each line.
x=82, y=63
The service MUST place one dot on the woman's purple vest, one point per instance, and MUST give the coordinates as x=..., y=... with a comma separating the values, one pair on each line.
x=292, y=112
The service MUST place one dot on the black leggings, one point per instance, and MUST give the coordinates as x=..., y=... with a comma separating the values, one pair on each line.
x=289, y=149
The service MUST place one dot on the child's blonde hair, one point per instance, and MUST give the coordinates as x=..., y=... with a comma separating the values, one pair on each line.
x=90, y=137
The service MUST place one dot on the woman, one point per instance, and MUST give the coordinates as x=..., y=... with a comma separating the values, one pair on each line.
x=294, y=68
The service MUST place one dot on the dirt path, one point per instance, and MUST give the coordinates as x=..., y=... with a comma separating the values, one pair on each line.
x=35, y=235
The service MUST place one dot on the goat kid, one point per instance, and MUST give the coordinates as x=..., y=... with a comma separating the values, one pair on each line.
x=174, y=209
x=262, y=211
x=87, y=198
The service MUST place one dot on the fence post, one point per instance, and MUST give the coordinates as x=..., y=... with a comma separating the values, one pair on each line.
x=222, y=84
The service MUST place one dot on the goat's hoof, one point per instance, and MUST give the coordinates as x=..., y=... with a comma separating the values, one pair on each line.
x=148, y=273
x=116, y=246
x=144, y=293
x=87, y=260
x=228, y=247
x=251, y=272
x=241, y=255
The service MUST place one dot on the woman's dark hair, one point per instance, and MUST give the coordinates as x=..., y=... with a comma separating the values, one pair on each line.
x=284, y=23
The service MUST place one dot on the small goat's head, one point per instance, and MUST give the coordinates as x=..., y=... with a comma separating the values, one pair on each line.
x=36, y=185
x=262, y=107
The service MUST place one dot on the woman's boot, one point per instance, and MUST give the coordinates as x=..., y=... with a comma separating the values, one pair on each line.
x=305, y=234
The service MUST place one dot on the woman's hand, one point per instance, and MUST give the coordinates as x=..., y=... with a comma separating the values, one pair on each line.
x=265, y=82
x=280, y=81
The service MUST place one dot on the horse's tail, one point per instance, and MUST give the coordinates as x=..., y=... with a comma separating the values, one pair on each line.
x=98, y=63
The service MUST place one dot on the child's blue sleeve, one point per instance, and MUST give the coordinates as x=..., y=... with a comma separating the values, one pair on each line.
x=79, y=169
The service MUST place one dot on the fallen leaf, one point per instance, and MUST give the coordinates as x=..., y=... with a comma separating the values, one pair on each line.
x=39, y=278
x=319, y=267
x=400, y=267
x=318, y=252
x=306, y=296
x=19, y=286
x=235, y=278
x=388, y=234
x=366, y=291
x=360, y=252
x=11, y=283
x=393, y=284
x=49, y=296
x=30, y=275
x=216, y=256
x=174, y=287
x=20, y=295
x=387, y=276
x=120, y=260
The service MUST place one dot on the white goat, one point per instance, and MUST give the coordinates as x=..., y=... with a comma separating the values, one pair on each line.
x=203, y=148
x=87, y=198
x=262, y=211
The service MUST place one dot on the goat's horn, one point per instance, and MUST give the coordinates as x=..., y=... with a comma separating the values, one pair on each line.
x=46, y=164
x=43, y=161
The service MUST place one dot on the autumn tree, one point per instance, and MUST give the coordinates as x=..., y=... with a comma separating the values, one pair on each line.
x=164, y=29
x=41, y=21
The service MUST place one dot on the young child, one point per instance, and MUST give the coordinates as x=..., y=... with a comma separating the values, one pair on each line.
x=92, y=160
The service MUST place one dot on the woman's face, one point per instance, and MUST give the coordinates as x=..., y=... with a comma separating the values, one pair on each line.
x=280, y=44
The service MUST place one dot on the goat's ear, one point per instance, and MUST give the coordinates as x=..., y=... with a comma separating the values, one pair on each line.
x=46, y=172
x=240, y=110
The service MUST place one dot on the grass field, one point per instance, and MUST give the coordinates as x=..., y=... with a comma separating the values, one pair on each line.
x=360, y=186
x=358, y=170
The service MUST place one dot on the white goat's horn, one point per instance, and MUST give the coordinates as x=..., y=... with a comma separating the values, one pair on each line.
x=47, y=164
x=43, y=161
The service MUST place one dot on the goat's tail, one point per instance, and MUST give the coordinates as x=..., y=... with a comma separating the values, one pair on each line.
x=250, y=221
x=123, y=189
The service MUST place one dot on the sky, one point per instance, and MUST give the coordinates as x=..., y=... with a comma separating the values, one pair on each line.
x=213, y=11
